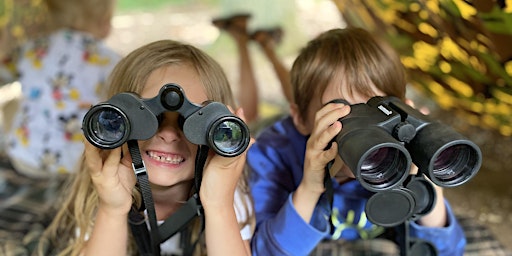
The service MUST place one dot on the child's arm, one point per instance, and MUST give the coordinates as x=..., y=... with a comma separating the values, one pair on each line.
x=326, y=127
x=113, y=182
x=220, y=178
x=287, y=220
x=109, y=235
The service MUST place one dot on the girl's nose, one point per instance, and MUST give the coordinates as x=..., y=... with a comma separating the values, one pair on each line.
x=169, y=129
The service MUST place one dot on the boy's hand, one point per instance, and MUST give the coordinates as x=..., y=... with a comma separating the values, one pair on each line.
x=318, y=151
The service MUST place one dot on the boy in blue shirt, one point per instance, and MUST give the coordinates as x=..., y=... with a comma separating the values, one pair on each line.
x=288, y=159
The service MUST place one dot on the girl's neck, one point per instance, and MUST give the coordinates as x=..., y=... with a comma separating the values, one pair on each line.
x=168, y=200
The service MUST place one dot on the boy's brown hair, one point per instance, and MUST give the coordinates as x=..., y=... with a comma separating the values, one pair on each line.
x=352, y=54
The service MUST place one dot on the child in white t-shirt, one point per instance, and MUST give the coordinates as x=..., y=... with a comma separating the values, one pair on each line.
x=62, y=74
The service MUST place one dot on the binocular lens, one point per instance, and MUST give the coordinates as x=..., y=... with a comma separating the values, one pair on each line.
x=107, y=126
x=383, y=166
x=454, y=163
x=228, y=137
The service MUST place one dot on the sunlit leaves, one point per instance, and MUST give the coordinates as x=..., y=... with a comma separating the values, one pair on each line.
x=449, y=50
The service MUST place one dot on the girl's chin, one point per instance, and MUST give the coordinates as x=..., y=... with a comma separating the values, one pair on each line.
x=167, y=179
x=168, y=175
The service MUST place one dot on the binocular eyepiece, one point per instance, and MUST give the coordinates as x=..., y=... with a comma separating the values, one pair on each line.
x=381, y=138
x=126, y=116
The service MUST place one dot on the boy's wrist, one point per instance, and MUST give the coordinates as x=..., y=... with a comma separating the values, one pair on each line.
x=312, y=184
x=309, y=192
x=304, y=200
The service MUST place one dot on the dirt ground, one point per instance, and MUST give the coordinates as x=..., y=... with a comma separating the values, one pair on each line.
x=486, y=198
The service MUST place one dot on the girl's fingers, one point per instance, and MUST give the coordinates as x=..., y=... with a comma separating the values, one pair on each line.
x=111, y=164
x=93, y=159
x=229, y=162
x=126, y=158
x=102, y=162
x=240, y=113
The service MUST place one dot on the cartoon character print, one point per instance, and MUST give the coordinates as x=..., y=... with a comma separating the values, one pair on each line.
x=59, y=83
x=49, y=159
x=72, y=127
x=22, y=131
x=100, y=88
x=38, y=52
x=91, y=55
x=352, y=223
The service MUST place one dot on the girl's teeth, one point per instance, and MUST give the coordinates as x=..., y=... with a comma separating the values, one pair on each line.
x=166, y=159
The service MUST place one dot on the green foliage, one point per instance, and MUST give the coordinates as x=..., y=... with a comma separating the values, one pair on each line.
x=132, y=5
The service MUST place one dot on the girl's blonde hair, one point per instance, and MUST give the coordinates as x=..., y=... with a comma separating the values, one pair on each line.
x=363, y=62
x=73, y=222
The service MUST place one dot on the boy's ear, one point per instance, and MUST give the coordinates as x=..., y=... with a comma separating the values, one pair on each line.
x=297, y=120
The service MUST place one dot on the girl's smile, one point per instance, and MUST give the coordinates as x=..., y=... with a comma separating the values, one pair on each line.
x=165, y=158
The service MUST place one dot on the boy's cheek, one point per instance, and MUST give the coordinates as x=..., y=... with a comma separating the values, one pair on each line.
x=340, y=170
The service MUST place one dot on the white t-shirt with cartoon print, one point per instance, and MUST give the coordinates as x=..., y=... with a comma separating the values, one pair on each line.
x=61, y=76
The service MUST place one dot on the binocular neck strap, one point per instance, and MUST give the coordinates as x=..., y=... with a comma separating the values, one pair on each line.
x=175, y=222
x=142, y=177
x=193, y=207
x=202, y=154
x=329, y=193
x=140, y=232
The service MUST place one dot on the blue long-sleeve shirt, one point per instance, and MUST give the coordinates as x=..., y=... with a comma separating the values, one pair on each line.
x=276, y=161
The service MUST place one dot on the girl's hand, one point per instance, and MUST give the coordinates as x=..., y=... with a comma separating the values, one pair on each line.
x=112, y=177
x=318, y=151
x=221, y=176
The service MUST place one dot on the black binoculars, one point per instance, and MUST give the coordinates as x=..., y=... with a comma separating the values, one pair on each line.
x=126, y=116
x=381, y=138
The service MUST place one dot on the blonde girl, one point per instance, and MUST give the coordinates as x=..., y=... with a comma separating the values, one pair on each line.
x=93, y=218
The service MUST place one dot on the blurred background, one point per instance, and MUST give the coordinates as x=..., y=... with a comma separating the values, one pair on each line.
x=458, y=54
